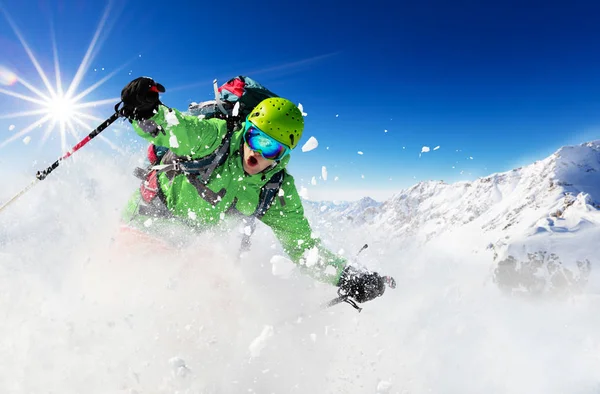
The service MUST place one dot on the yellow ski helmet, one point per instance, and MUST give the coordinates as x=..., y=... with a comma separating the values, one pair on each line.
x=279, y=118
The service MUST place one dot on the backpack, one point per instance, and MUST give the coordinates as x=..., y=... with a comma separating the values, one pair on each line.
x=235, y=98
x=233, y=102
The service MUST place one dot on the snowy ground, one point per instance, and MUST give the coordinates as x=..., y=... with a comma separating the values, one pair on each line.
x=79, y=315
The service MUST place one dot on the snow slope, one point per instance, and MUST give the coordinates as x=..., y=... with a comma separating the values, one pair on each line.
x=82, y=314
x=550, y=207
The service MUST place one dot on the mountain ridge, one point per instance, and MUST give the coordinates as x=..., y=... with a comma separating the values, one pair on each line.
x=516, y=215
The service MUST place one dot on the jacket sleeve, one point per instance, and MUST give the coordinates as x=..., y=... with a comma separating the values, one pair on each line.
x=293, y=231
x=183, y=134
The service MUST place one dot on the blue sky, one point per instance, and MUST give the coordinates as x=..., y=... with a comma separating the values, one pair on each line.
x=495, y=85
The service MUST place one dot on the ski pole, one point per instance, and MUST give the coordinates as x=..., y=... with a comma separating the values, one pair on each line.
x=361, y=249
x=343, y=298
x=41, y=175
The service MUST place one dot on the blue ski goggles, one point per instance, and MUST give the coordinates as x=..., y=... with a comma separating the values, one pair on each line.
x=260, y=142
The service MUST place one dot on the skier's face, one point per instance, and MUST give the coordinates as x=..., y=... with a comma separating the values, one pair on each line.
x=254, y=162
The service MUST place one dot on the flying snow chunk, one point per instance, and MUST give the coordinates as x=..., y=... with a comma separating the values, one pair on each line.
x=11, y=127
x=301, y=108
x=179, y=367
x=303, y=193
x=171, y=118
x=324, y=173
x=26, y=140
x=309, y=145
x=176, y=362
x=425, y=149
x=337, y=115
x=259, y=343
x=192, y=215
x=336, y=178
x=312, y=257
x=282, y=267
x=236, y=109
x=383, y=386
x=385, y=131
x=330, y=270
x=360, y=152
x=313, y=181
x=173, y=142
x=436, y=148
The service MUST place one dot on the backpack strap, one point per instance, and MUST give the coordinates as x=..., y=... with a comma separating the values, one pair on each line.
x=202, y=167
x=268, y=193
x=198, y=172
x=219, y=158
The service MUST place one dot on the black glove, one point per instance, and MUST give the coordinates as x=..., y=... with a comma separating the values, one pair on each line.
x=140, y=98
x=363, y=286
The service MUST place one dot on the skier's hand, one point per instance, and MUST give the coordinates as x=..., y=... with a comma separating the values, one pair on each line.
x=363, y=286
x=140, y=98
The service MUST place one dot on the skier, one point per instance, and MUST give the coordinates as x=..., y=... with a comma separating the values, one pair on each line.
x=258, y=148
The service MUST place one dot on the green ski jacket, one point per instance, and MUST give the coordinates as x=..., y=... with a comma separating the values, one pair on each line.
x=187, y=135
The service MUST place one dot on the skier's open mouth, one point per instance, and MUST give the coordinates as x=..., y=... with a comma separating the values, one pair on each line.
x=252, y=162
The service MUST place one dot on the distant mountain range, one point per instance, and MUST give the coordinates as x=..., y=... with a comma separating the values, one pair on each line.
x=540, y=223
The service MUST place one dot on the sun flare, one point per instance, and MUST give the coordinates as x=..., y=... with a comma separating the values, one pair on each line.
x=60, y=109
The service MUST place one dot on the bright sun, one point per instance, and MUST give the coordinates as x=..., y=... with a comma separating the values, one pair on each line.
x=61, y=109
x=57, y=107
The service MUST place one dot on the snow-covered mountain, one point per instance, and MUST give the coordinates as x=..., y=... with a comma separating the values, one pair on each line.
x=544, y=217
x=349, y=210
